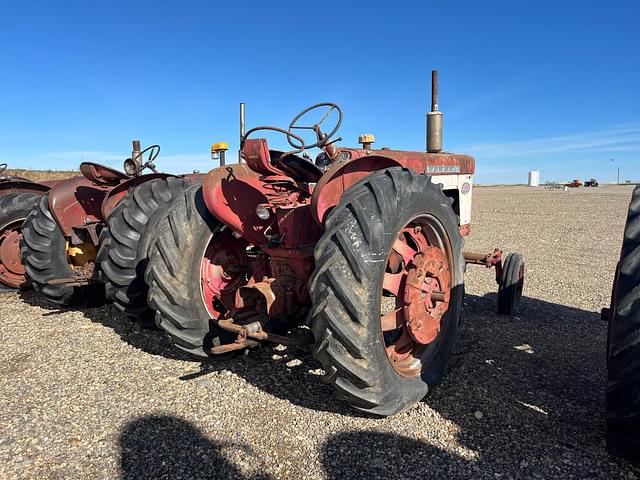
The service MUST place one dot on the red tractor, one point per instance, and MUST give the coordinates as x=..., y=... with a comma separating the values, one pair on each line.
x=366, y=244
x=95, y=220
x=18, y=195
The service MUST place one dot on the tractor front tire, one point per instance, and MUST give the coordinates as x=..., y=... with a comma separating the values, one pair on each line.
x=623, y=352
x=173, y=274
x=511, y=285
x=14, y=209
x=43, y=252
x=346, y=290
x=124, y=244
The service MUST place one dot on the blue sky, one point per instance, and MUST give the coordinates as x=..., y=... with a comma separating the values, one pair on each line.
x=546, y=85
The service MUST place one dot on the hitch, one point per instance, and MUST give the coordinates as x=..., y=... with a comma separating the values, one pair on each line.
x=250, y=334
x=81, y=276
x=488, y=260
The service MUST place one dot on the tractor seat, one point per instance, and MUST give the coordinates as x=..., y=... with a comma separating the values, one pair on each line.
x=296, y=167
x=101, y=174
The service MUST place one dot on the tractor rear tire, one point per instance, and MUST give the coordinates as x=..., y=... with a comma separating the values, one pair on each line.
x=125, y=242
x=623, y=352
x=14, y=209
x=511, y=285
x=44, y=255
x=173, y=274
x=347, y=283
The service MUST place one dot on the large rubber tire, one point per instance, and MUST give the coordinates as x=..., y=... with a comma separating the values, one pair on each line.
x=347, y=282
x=623, y=355
x=511, y=285
x=44, y=256
x=14, y=209
x=173, y=274
x=125, y=242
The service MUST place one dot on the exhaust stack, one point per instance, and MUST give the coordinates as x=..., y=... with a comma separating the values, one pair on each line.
x=241, y=130
x=434, y=118
x=135, y=153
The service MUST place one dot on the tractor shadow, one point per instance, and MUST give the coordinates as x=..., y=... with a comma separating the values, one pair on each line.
x=289, y=373
x=524, y=395
x=148, y=340
x=164, y=446
x=524, y=361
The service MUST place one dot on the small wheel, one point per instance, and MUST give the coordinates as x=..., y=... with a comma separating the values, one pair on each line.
x=387, y=291
x=511, y=285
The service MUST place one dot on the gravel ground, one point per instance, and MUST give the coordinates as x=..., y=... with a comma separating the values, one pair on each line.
x=86, y=394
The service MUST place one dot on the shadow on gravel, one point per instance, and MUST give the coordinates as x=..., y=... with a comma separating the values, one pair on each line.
x=279, y=371
x=148, y=340
x=168, y=447
x=525, y=396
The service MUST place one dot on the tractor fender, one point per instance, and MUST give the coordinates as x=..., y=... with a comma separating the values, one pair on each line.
x=76, y=202
x=22, y=186
x=232, y=193
x=343, y=174
x=118, y=193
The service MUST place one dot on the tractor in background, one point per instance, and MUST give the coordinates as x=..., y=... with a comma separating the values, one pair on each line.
x=592, y=182
x=86, y=237
x=18, y=195
x=358, y=251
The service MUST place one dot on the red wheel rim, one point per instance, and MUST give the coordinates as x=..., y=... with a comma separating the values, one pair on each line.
x=12, y=271
x=418, y=276
x=223, y=269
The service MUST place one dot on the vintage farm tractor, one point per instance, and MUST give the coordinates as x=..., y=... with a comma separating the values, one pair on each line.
x=91, y=229
x=18, y=195
x=623, y=344
x=366, y=244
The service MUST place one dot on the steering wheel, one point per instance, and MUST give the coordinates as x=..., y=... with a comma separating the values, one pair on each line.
x=323, y=138
x=3, y=167
x=131, y=164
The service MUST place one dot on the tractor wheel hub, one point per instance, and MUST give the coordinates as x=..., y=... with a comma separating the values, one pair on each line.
x=11, y=269
x=426, y=294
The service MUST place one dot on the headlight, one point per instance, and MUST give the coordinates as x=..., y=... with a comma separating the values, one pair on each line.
x=263, y=212
x=130, y=167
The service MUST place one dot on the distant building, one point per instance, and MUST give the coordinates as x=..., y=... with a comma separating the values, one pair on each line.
x=534, y=178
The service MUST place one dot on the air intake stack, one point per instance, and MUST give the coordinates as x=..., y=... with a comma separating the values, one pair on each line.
x=434, y=118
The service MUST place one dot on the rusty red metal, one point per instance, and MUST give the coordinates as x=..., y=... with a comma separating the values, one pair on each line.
x=101, y=174
x=426, y=294
x=12, y=272
x=418, y=275
x=232, y=194
x=489, y=260
x=22, y=186
x=357, y=164
x=77, y=202
x=225, y=267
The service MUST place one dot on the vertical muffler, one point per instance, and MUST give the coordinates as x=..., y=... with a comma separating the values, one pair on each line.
x=434, y=118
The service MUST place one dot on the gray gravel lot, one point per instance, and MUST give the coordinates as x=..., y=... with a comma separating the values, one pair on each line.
x=87, y=394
